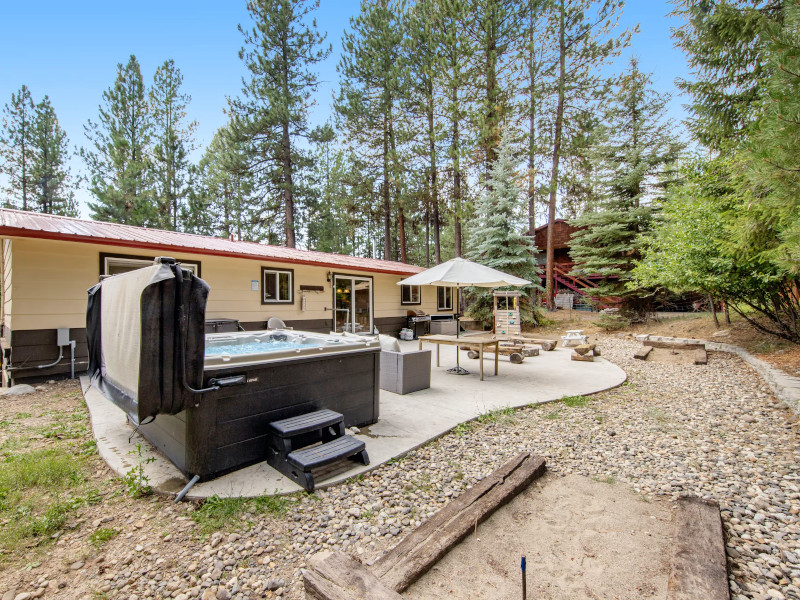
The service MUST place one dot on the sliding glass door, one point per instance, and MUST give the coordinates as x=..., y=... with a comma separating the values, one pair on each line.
x=353, y=304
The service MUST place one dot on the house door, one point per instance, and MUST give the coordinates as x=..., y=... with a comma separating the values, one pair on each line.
x=353, y=304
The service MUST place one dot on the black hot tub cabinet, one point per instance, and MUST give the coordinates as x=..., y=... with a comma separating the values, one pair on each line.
x=209, y=413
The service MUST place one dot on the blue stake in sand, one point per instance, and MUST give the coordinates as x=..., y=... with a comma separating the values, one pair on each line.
x=524, y=590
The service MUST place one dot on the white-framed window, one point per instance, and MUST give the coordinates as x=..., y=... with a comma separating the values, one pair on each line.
x=410, y=294
x=277, y=285
x=111, y=264
x=444, y=296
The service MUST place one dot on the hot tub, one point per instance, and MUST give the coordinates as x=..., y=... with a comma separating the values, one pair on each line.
x=205, y=400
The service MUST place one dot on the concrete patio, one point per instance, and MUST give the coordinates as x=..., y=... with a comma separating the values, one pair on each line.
x=406, y=422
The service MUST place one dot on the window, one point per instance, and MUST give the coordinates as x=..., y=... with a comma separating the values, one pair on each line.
x=114, y=264
x=445, y=298
x=410, y=294
x=277, y=286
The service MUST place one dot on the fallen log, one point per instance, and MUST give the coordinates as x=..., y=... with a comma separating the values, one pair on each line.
x=641, y=353
x=419, y=551
x=675, y=345
x=582, y=357
x=336, y=576
x=698, y=566
x=547, y=345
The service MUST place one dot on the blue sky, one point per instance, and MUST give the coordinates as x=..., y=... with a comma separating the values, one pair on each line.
x=69, y=51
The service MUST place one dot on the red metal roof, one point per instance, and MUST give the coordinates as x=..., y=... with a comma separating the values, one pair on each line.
x=37, y=225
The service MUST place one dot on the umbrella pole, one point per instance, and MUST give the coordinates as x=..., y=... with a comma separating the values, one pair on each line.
x=458, y=370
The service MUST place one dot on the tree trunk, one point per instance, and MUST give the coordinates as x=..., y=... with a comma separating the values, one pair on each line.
x=531, y=125
x=387, y=206
x=401, y=226
x=713, y=306
x=456, y=150
x=437, y=249
x=727, y=312
x=288, y=198
x=491, y=133
x=551, y=213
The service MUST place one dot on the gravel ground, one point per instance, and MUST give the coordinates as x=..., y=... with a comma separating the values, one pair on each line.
x=714, y=431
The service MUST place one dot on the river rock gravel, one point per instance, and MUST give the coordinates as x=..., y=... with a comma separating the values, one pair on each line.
x=674, y=428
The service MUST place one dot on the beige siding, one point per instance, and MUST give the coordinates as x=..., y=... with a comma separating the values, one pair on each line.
x=50, y=279
x=6, y=283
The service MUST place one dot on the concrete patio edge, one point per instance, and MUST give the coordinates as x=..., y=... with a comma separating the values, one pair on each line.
x=450, y=401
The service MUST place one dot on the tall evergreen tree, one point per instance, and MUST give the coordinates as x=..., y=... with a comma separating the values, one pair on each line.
x=118, y=158
x=457, y=54
x=498, y=237
x=639, y=157
x=329, y=225
x=49, y=172
x=726, y=43
x=586, y=41
x=496, y=32
x=538, y=61
x=222, y=202
x=425, y=68
x=280, y=52
x=367, y=104
x=172, y=139
x=16, y=149
x=769, y=226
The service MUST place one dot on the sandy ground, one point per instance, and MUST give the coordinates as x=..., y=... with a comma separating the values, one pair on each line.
x=581, y=538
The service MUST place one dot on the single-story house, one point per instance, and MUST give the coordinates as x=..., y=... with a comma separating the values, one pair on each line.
x=49, y=262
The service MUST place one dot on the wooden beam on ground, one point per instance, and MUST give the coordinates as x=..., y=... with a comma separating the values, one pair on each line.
x=641, y=353
x=675, y=345
x=419, y=551
x=547, y=345
x=336, y=576
x=582, y=357
x=698, y=566
x=700, y=356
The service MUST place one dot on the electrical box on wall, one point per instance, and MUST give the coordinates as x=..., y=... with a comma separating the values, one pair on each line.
x=254, y=285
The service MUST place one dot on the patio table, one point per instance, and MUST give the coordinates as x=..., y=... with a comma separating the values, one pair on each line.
x=473, y=340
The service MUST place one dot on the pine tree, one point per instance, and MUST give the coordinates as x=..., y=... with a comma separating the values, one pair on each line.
x=16, y=151
x=457, y=52
x=539, y=60
x=118, y=158
x=425, y=68
x=769, y=225
x=329, y=225
x=52, y=192
x=281, y=49
x=726, y=42
x=172, y=139
x=496, y=238
x=496, y=34
x=223, y=202
x=640, y=155
x=371, y=88
x=586, y=42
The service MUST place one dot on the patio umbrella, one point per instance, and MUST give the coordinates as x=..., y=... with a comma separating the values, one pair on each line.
x=459, y=273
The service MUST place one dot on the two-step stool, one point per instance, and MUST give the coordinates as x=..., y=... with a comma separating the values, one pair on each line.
x=299, y=445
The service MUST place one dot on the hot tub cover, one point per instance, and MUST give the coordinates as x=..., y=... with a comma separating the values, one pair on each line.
x=145, y=331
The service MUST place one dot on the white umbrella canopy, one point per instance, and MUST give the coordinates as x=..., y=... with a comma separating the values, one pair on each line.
x=460, y=272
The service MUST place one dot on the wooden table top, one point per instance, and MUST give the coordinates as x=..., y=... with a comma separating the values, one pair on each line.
x=451, y=339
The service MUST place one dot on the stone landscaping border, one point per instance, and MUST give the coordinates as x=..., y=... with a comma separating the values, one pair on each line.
x=784, y=386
